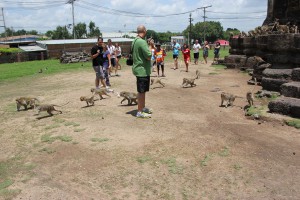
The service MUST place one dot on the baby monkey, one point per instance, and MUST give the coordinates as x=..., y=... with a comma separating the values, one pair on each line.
x=88, y=100
x=131, y=97
x=100, y=92
x=26, y=101
x=229, y=98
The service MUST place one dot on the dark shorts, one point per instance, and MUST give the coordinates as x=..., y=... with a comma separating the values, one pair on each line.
x=143, y=84
x=113, y=62
x=205, y=53
x=196, y=55
x=160, y=64
x=99, y=72
x=175, y=56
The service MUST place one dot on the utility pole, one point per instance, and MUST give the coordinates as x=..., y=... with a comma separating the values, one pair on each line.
x=190, y=33
x=204, y=19
x=72, y=2
x=4, y=24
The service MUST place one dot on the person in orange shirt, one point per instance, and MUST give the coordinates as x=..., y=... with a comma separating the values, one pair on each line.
x=159, y=56
x=186, y=56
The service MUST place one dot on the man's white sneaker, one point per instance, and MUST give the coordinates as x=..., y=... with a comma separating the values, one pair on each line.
x=147, y=110
x=143, y=115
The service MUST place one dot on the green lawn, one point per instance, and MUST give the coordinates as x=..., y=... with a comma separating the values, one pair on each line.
x=11, y=71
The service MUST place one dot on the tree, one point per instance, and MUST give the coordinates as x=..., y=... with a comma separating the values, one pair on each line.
x=230, y=30
x=152, y=34
x=210, y=30
x=80, y=30
x=61, y=32
x=93, y=30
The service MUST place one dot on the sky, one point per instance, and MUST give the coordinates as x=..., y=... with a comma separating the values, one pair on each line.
x=125, y=15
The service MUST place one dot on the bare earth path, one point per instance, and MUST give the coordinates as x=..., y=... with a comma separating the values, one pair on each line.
x=190, y=149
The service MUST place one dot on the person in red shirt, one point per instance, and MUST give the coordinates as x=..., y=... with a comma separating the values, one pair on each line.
x=186, y=56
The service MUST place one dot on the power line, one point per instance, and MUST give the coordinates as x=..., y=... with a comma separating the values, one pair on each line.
x=237, y=13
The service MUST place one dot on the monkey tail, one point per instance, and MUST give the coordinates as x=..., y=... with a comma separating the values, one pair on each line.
x=61, y=105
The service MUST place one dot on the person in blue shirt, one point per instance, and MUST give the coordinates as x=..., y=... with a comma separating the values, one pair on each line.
x=176, y=48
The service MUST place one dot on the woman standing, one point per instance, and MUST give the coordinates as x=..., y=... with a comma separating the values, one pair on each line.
x=216, y=52
x=205, y=51
x=119, y=55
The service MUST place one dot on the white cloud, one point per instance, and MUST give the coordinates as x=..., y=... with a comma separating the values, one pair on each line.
x=48, y=17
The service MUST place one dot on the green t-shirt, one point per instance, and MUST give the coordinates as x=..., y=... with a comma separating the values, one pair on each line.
x=141, y=53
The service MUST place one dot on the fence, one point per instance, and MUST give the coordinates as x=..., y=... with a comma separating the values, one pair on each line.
x=22, y=57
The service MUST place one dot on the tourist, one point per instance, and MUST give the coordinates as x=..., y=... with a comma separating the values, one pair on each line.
x=97, y=57
x=112, y=50
x=106, y=64
x=142, y=69
x=159, y=57
x=205, y=51
x=216, y=52
x=176, y=47
x=196, y=48
x=186, y=56
x=119, y=55
x=150, y=42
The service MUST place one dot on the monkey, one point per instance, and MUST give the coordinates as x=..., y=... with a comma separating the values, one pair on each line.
x=40, y=71
x=249, y=95
x=154, y=81
x=131, y=97
x=49, y=108
x=88, y=100
x=100, y=92
x=229, y=98
x=250, y=98
x=188, y=81
x=26, y=101
x=191, y=81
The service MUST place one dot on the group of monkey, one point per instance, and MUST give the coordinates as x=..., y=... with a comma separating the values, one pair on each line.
x=131, y=97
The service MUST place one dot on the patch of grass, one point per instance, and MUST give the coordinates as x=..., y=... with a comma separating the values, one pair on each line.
x=99, y=139
x=294, y=123
x=213, y=73
x=143, y=159
x=52, y=126
x=273, y=97
x=237, y=166
x=79, y=130
x=12, y=71
x=58, y=120
x=72, y=124
x=47, y=150
x=224, y=152
x=49, y=139
x=174, y=168
x=253, y=110
x=219, y=67
x=8, y=170
x=207, y=158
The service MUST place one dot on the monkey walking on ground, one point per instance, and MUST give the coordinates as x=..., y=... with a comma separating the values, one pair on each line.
x=131, y=97
x=49, y=108
x=249, y=95
x=26, y=101
x=157, y=81
x=100, y=92
x=191, y=81
x=89, y=100
x=229, y=98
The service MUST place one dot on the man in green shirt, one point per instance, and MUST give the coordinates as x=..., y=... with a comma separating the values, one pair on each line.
x=142, y=69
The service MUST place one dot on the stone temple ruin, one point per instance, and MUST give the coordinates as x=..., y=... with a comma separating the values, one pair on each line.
x=271, y=53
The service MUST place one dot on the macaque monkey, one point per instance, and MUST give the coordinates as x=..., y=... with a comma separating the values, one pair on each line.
x=100, y=92
x=26, y=101
x=88, y=100
x=229, y=98
x=131, y=97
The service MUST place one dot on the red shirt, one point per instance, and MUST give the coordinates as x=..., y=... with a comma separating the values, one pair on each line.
x=186, y=54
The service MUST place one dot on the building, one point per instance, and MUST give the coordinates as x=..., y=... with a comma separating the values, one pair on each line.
x=222, y=42
x=179, y=39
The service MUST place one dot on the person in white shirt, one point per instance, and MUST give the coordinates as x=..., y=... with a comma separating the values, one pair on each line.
x=196, y=48
x=119, y=55
x=112, y=50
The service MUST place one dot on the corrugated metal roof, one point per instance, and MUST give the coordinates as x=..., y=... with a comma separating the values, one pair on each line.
x=81, y=41
x=31, y=48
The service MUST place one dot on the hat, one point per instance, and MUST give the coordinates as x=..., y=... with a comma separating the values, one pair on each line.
x=158, y=44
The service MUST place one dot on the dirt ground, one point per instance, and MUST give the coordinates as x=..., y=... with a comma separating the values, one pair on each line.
x=190, y=149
